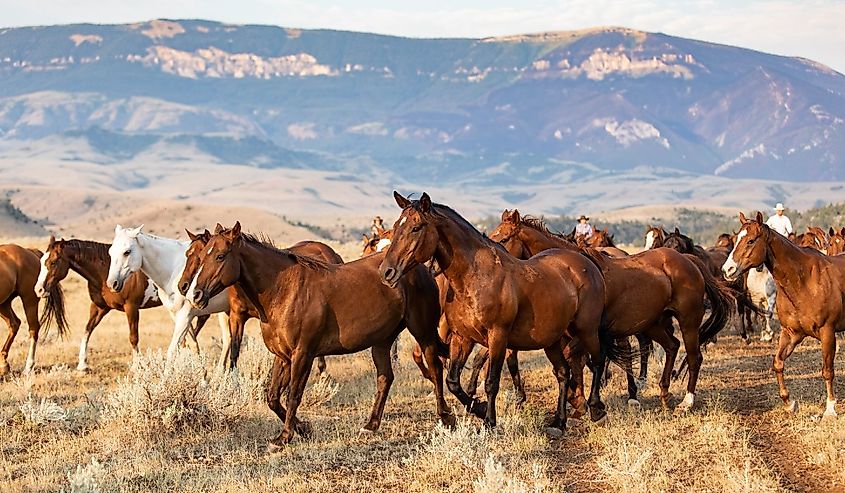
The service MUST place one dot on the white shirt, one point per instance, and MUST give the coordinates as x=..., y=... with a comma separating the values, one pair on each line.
x=781, y=224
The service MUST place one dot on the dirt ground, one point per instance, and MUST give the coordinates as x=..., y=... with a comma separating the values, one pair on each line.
x=737, y=439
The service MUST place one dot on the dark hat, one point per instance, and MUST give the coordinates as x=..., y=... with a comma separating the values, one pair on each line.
x=583, y=217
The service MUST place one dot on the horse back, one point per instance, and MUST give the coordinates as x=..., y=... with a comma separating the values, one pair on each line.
x=316, y=250
x=19, y=268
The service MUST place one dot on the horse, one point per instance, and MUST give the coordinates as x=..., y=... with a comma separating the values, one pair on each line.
x=162, y=260
x=836, y=243
x=19, y=268
x=762, y=292
x=240, y=309
x=601, y=238
x=309, y=308
x=654, y=237
x=553, y=301
x=814, y=238
x=90, y=260
x=811, y=301
x=668, y=285
x=377, y=242
x=725, y=240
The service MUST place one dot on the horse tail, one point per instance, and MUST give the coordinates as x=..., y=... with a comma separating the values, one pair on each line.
x=54, y=311
x=722, y=299
x=613, y=350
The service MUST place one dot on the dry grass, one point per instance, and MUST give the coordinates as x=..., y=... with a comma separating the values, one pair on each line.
x=137, y=424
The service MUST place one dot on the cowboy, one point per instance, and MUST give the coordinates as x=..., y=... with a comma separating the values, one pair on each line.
x=779, y=222
x=377, y=228
x=584, y=227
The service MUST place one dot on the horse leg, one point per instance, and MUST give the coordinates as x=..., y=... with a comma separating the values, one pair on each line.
x=561, y=371
x=435, y=365
x=497, y=343
x=689, y=332
x=662, y=335
x=394, y=351
x=576, y=361
x=30, y=308
x=95, y=316
x=300, y=369
x=828, y=340
x=417, y=355
x=512, y=361
x=646, y=347
x=225, y=340
x=133, y=317
x=237, y=321
x=481, y=357
x=459, y=349
x=786, y=344
x=628, y=365
x=384, y=379
x=14, y=324
x=181, y=326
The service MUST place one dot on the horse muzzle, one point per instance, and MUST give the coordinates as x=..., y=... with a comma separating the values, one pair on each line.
x=389, y=275
x=199, y=299
x=116, y=285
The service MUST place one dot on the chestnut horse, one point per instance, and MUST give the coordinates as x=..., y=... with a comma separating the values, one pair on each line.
x=811, y=296
x=814, y=238
x=667, y=284
x=601, y=238
x=553, y=301
x=90, y=260
x=309, y=308
x=836, y=244
x=654, y=237
x=19, y=268
x=240, y=310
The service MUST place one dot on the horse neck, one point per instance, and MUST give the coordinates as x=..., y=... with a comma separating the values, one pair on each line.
x=94, y=270
x=260, y=270
x=458, y=248
x=536, y=241
x=786, y=261
x=162, y=259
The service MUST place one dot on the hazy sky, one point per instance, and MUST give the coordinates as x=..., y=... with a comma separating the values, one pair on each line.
x=809, y=28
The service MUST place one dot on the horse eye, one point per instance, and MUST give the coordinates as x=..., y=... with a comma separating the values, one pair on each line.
x=126, y=253
x=416, y=228
x=220, y=257
x=751, y=242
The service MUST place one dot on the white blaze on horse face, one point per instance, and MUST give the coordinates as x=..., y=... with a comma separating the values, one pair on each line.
x=649, y=240
x=193, y=287
x=42, y=276
x=382, y=244
x=404, y=218
x=730, y=266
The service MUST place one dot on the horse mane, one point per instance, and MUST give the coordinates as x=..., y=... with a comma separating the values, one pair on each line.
x=266, y=243
x=448, y=212
x=540, y=225
x=88, y=250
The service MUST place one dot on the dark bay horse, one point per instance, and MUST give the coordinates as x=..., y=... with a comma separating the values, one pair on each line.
x=811, y=296
x=90, y=260
x=553, y=301
x=240, y=309
x=661, y=283
x=19, y=268
x=309, y=308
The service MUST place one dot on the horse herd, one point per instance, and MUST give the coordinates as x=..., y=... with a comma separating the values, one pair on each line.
x=522, y=288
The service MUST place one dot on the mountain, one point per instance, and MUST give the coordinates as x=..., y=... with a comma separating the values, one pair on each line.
x=528, y=110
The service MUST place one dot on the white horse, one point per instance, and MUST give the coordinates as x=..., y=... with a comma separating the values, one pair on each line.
x=763, y=293
x=163, y=260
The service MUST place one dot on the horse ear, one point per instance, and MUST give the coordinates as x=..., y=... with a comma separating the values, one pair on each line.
x=236, y=230
x=425, y=202
x=135, y=232
x=759, y=217
x=515, y=216
x=191, y=236
x=117, y=229
x=677, y=231
x=742, y=218
x=52, y=239
x=218, y=229
x=506, y=214
x=842, y=232
x=831, y=231
x=206, y=234
x=648, y=227
x=401, y=201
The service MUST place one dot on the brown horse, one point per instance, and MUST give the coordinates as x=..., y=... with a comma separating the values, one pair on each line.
x=811, y=295
x=377, y=242
x=654, y=237
x=90, y=260
x=836, y=243
x=725, y=240
x=240, y=309
x=553, y=301
x=309, y=308
x=684, y=244
x=814, y=238
x=19, y=268
x=660, y=283
x=601, y=238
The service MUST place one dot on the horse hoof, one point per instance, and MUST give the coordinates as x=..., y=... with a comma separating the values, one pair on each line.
x=634, y=405
x=792, y=407
x=478, y=409
x=829, y=416
x=274, y=448
x=554, y=433
x=365, y=432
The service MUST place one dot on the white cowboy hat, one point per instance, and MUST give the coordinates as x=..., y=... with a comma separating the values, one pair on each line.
x=780, y=207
